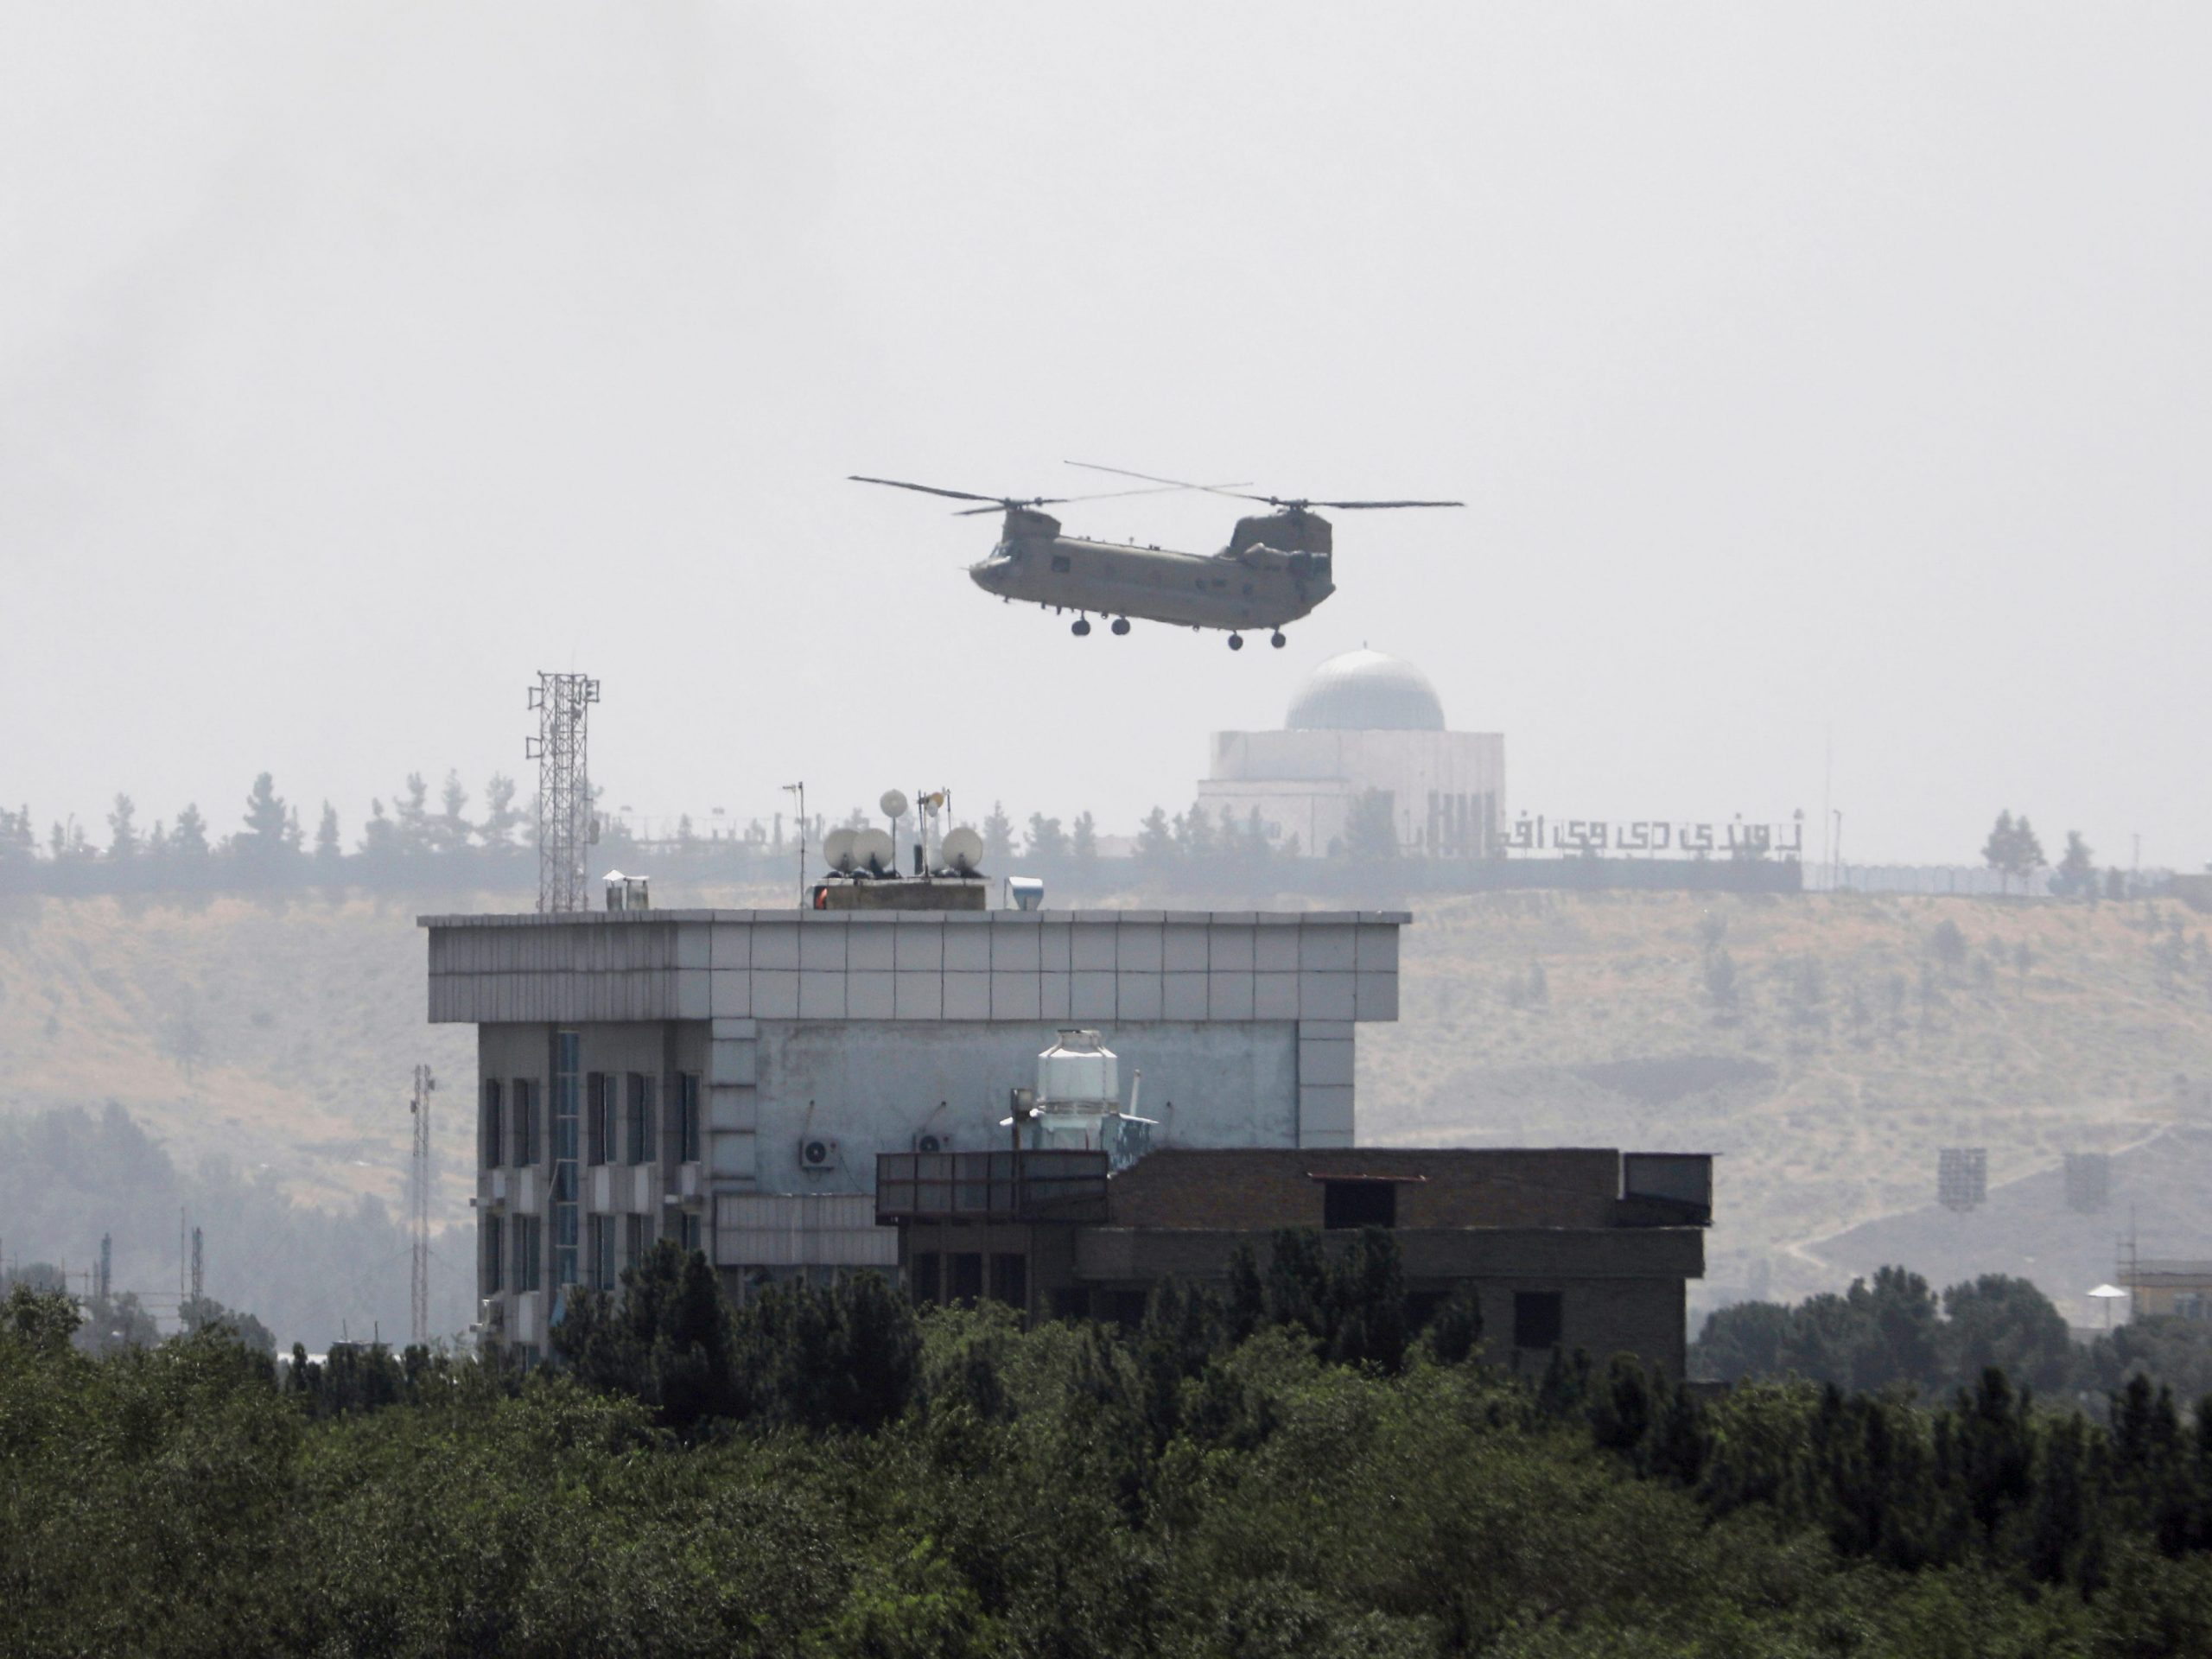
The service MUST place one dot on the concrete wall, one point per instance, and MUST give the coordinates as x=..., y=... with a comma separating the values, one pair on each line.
x=1566, y=1187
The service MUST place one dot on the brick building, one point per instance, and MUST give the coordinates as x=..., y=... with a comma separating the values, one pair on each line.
x=1566, y=1248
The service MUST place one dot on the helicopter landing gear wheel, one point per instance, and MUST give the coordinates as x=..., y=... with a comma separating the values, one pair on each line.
x=1121, y=624
x=1080, y=627
x=1277, y=640
x=1236, y=642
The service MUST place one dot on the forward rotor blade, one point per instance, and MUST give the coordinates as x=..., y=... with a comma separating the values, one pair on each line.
x=926, y=489
x=1102, y=495
x=1171, y=483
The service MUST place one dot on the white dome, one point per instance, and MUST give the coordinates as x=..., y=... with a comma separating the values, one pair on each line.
x=1366, y=692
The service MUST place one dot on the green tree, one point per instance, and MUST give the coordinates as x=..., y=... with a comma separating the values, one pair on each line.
x=501, y=820
x=451, y=830
x=998, y=837
x=1156, y=845
x=1085, y=844
x=2076, y=874
x=123, y=831
x=2000, y=1323
x=1370, y=829
x=411, y=816
x=1047, y=840
x=261, y=842
x=327, y=851
x=189, y=839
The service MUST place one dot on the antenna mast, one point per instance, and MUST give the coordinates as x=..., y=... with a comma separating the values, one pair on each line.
x=564, y=821
x=418, y=1288
x=198, y=1273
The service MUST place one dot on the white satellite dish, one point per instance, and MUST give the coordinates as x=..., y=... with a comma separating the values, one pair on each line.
x=893, y=803
x=873, y=851
x=964, y=850
x=839, y=852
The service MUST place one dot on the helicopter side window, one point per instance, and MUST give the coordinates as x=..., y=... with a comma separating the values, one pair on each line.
x=1062, y=564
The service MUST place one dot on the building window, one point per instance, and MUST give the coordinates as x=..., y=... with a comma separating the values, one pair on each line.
x=687, y=1230
x=495, y=1244
x=687, y=1118
x=567, y=1086
x=1072, y=1302
x=1062, y=564
x=596, y=1116
x=922, y=1276
x=600, y=1254
x=1359, y=1203
x=494, y=1152
x=523, y=1112
x=1538, y=1318
x=964, y=1269
x=635, y=1241
x=1010, y=1279
x=637, y=1120
x=530, y=1245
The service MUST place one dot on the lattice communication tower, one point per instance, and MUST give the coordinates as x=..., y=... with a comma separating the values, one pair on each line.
x=564, y=704
x=418, y=1285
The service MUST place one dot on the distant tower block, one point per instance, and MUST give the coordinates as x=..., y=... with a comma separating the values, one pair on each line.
x=1962, y=1177
x=2088, y=1181
x=564, y=823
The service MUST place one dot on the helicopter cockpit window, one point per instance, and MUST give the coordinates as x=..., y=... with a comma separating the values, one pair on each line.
x=1062, y=564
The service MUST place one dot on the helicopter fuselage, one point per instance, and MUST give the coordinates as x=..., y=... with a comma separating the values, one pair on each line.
x=1249, y=584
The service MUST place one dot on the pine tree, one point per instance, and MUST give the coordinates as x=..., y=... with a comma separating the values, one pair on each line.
x=998, y=837
x=1996, y=851
x=189, y=839
x=2076, y=877
x=411, y=816
x=123, y=833
x=1156, y=844
x=327, y=851
x=1046, y=839
x=451, y=830
x=1084, y=842
x=263, y=840
x=1371, y=834
x=500, y=818
x=1198, y=837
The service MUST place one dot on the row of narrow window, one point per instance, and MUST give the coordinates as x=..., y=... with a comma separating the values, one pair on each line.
x=513, y=1248
x=619, y=1120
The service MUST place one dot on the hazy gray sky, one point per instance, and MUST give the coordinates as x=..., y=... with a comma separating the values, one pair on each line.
x=1804, y=367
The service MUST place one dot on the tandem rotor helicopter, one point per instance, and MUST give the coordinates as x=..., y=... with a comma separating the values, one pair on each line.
x=1275, y=568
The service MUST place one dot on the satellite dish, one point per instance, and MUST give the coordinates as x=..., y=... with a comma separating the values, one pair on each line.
x=964, y=850
x=892, y=803
x=873, y=851
x=838, y=850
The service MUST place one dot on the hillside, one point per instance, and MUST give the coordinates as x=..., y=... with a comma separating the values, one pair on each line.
x=1845, y=1049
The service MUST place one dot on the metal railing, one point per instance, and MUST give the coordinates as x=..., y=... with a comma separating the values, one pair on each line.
x=991, y=1186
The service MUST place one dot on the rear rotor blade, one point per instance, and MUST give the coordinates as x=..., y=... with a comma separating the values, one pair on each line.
x=1102, y=495
x=1171, y=483
x=1356, y=505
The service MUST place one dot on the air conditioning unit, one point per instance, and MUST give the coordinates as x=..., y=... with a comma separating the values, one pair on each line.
x=933, y=1140
x=817, y=1154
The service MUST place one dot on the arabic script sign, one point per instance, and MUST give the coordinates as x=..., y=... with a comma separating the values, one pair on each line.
x=1653, y=837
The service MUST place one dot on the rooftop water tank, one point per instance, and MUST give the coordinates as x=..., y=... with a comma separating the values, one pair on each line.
x=1078, y=1068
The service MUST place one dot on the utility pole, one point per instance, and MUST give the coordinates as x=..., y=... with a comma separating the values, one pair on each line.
x=107, y=1265
x=565, y=825
x=419, y=1290
x=199, y=1269
x=799, y=789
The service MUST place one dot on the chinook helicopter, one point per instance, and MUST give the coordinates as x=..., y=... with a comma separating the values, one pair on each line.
x=1275, y=568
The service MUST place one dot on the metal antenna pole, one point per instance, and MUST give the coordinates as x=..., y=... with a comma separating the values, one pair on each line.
x=419, y=1289
x=199, y=1269
x=799, y=789
x=564, y=819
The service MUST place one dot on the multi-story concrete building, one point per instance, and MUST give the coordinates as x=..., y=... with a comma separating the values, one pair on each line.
x=1563, y=1249
x=728, y=1077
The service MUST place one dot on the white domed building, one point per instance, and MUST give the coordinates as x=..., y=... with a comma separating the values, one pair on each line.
x=1362, y=722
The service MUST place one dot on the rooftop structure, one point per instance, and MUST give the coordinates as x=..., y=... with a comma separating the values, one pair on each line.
x=1564, y=1249
x=728, y=1079
x=1363, y=723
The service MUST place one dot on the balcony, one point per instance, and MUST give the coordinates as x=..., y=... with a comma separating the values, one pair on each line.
x=990, y=1186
